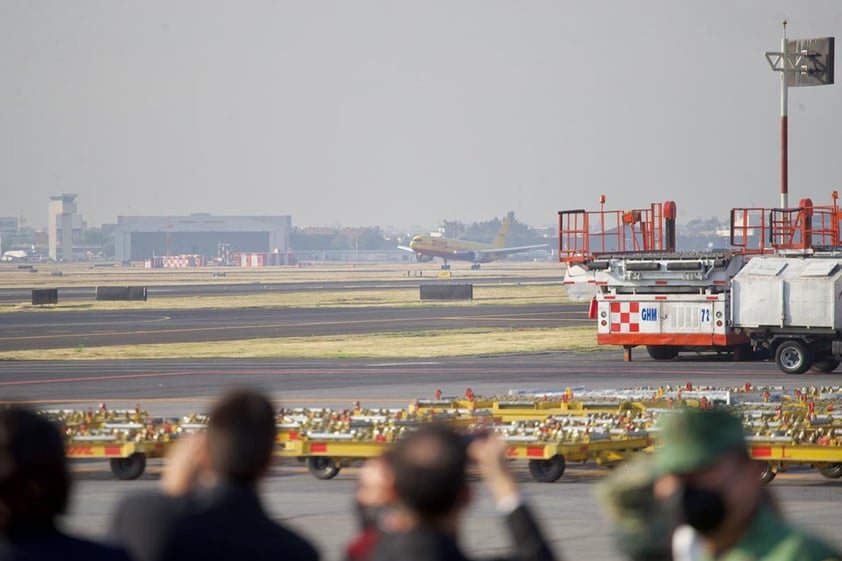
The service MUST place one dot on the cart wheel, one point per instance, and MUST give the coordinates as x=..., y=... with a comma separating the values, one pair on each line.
x=833, y=471
x=547, y=471
x=767, y=474
x=662, y=352
x=322, y=467
x=825, y=364
x=129, y=468
x=794, y=357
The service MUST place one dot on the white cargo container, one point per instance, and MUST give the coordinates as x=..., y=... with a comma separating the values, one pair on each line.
x=791, y=305
x=779, y=292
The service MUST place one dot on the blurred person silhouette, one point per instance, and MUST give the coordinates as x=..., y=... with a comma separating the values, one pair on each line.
x=208, y=507
x=34, y=490
x=377, y=509
x=430, y=482
x=707, y=476
x=641, y=526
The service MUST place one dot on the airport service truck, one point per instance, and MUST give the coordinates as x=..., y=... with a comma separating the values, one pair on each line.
x=774, y=291
x=644, y=292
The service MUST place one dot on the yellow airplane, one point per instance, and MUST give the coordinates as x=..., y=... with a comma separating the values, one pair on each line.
x=426, y=247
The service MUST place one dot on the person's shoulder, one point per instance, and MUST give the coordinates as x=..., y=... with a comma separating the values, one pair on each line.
x=419, y=544
x=798, y=545
x=296, y=543
x=58, y=545
x=145, y=510
x=149, y=499
x=818, y=549
x=78, y=548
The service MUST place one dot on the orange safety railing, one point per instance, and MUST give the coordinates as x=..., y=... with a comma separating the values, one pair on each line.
x=750, y=230
x=761, y=230
x=583, y=234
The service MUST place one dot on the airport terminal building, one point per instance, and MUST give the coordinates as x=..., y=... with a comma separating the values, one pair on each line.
x=137, y=238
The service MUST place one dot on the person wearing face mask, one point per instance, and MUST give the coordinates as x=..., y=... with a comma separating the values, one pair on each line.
x=706, y=474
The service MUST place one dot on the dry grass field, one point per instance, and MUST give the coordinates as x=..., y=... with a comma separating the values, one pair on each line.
x=415, y=344
x=513, y=288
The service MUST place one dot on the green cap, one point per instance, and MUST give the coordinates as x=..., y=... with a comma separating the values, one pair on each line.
x=627, y=492
x=693, y=439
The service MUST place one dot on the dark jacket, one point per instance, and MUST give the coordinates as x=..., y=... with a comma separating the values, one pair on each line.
x=50, y=544
x=143, y=522
x=225, y=523
x=427, y=544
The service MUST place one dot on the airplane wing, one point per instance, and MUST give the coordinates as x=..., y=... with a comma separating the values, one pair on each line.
x=508, y=250
x=405, y=248
x=503, y=251
x=14, y=255
x=486, y=255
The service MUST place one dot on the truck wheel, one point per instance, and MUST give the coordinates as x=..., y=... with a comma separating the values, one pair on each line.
x=767, y=474
x=322, y=467
x=825, y=365
x=547, y=471
x=129, y=468
x=794, y=357
x=662, y=352
x=833, y=471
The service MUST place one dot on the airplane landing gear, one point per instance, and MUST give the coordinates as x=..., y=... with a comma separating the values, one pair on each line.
x=445, y=267
x=475, y=267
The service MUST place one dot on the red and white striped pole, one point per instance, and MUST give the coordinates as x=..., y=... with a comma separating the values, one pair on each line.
x=784, y=132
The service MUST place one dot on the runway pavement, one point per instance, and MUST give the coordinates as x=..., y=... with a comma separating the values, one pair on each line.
x=183, y=383
x=47, y=330
x=321, y=509
x=77, y=293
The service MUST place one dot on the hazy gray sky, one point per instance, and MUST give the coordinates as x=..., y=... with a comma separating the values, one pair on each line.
x=406, y=113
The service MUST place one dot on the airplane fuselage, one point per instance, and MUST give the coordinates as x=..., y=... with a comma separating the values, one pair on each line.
x=450, y=249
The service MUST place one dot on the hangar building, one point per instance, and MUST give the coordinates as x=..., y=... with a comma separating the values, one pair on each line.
x=142, y=237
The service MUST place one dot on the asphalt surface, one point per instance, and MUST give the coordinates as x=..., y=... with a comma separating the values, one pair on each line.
x=182, y=383
x=76, y=293
x=48, y=330
x=567, y=509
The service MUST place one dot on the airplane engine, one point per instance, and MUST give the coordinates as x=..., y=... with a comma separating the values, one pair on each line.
x=473, y=256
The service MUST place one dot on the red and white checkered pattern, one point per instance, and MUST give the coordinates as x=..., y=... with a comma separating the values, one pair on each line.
x=625, y=317
x=182, y=261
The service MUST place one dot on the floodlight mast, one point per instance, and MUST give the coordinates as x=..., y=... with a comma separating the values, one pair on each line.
x=780, y=62
x=804, y=63
x=787, y=67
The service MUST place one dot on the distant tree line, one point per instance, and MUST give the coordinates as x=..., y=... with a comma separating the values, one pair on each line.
x=373, y=238
x=519, y=233
x=367, y=238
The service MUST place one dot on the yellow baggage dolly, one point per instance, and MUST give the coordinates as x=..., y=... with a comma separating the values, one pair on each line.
x=127, y=459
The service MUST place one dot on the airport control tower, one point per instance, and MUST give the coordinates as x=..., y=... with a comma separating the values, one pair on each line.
x=61, y=212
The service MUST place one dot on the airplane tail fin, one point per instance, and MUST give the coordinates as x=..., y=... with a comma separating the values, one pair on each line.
x=500, y=238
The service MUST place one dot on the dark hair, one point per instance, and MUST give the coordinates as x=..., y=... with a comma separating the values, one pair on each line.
x=34, y=478
x=241, y=436
x=429, y=467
